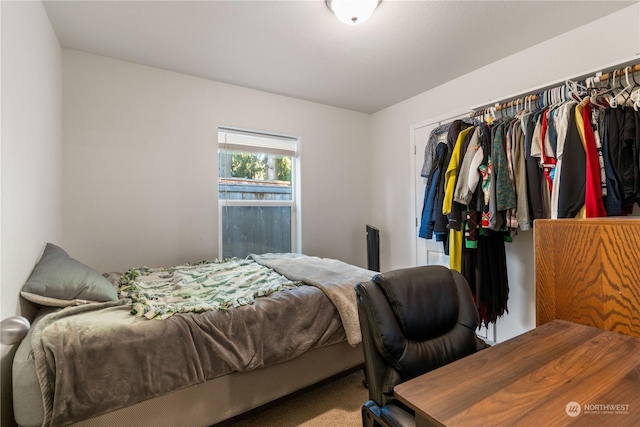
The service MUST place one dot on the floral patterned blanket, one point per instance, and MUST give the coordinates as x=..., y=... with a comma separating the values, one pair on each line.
x=159, y=293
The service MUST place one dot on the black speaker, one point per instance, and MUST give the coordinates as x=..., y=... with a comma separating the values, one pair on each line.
x=373, y=248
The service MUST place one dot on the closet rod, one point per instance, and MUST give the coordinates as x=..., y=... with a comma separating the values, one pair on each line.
x=601, y=78
x=533, y=94
x=619, y=72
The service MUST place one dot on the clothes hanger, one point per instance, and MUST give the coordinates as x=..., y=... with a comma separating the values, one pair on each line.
x=575, y=90
x=570, y=89
x=635, y=94
x=623, y=95
x=556, y=100
x=607, y=94
x=596, y=94
x=518, y=110
x=636, y=85
x=519, y=106
x=561, y=98
x=629, y=87
x=611, y=97
x=492, y=113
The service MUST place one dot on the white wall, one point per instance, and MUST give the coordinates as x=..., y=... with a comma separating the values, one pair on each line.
x=610, y=39
x=140, y=164
x=30, y=156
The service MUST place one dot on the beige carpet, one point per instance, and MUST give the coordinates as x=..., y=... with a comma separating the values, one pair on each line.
x=336, y=404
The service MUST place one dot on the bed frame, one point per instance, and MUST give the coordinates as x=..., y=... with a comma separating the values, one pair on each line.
x=225, y=397
x=213, y=402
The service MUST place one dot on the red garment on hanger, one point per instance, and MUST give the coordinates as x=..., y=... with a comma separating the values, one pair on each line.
x=594, y=207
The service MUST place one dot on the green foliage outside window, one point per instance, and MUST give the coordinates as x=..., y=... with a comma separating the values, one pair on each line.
x=247, y=165
x=261, y=167
x=283, y=169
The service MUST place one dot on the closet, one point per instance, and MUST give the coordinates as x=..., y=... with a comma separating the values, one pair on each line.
x=566, y=151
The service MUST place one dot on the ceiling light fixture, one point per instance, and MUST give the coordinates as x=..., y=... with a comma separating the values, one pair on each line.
x=353, y=12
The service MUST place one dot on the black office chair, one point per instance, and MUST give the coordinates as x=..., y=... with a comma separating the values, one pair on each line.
x=412, y=320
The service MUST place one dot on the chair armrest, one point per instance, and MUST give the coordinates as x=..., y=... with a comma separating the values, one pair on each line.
x=371, y=414
x=394, y=416
x=481, y=344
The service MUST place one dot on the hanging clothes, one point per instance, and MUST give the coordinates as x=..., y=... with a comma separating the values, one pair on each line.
x=624, y=142
x=436, y=157
x=505, y=193
x=562, y=125
x=486, y=170
x=430, y=156
x=534, y=173
x=457, y=212
x=430, y=207
x=510, y=214
x=520, y=173
x=433, y=223
x=594, y=207
x=455, y=234
x=493, y=285
x=431, y=167
x=566, y=157
x=452, y=170
x=571, y=188
x=469, y=175
x=612, y=201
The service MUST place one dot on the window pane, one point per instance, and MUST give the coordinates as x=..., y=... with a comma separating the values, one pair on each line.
x=252, y=176
x=255, y=229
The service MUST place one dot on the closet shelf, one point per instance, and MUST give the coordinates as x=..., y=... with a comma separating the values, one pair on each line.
x=601, y=73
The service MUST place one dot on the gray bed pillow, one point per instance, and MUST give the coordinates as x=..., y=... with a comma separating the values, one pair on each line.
x=60, y=281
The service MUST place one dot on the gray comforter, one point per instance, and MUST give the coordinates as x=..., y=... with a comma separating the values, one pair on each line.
x=119, y=359
x=336, y=279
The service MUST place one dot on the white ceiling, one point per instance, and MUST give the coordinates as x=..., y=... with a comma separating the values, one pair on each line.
x=299, y=49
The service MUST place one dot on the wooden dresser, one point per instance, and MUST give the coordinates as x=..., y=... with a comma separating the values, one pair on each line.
x=588, y=271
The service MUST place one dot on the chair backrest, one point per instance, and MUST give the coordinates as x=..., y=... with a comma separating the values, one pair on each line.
x=413, y=320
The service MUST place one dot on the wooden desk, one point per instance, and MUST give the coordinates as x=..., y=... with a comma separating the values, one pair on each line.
x=530, y=380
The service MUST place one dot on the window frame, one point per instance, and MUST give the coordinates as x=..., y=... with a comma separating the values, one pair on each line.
x=293, y=203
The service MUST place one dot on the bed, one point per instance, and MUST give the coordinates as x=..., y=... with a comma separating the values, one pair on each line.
x=124, y=361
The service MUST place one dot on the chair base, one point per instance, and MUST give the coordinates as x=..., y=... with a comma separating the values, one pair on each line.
x=387, y=416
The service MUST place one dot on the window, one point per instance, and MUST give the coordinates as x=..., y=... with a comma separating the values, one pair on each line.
x=256, y=183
